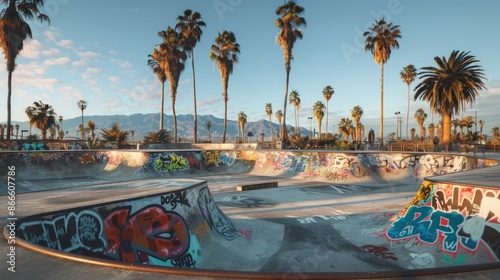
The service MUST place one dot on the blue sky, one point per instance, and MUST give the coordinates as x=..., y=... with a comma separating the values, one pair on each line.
x=97, y=51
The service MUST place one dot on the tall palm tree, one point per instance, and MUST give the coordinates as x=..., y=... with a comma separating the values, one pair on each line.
x=380, y=39
x=420, y=116
x=319, y=113
x=356, y=114
x=468, y=122
x=189, y=25
x=294, y=100
x=175, y=57
x=289, y=25
x=269, y=113
x=450, y=86
x=161, y=136
x=208, y=124
x=43, y=117
x=481, y=125
x=408, y=75
x=412, y=132
x=82, y=104
x=157, y=62
x=327, y=94
x=14, y=31
x=431, y=128
x=279, y=117
x=242, y=120
x=225, y=53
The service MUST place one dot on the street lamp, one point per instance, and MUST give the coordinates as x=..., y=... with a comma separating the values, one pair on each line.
x=397, y=123
x=310, y=127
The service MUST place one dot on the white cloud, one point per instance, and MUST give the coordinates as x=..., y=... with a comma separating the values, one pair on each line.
x=87, y=54
x=52, y=35
x=70, y=92
x=126, y=65
x=57, y=61
x=80, y=63
x=68, y=44
x=122, y=63
x=114, y=79
x=93, y=70
x=51, y=52
x=32, y=49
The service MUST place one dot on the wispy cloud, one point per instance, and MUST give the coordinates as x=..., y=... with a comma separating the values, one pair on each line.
x=32, y=49
x=68, y=44
x=87, y=54
x=114, y=79
x=51, y=52
x=57, y=61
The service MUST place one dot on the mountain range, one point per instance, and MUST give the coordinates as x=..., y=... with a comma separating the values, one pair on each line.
x=142, y=124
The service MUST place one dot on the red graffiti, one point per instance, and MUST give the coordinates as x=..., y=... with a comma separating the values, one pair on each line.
x=151, y=231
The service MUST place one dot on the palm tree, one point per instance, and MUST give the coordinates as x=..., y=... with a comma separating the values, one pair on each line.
x=431, y=128
x=91, y=128
x=468, y=122
x=82, y=104
x=412, y=132
x=225, y=53
x=481, y=124
x=43, y=117
x=209, y=125
x=279, y=117
x=408, y=75
x=161, y=136
x=289, y=24
x=456, y=123
x=29, y=113
x=327, y=94
x=449, y=87
x=17, y=130
x=157, y=63
x=189, y=25
x=420, y=116
x=269, y=113
x=356, y=114
x=319, y=113
x=14, y=31
x=242, y=120
x=115, y=134
x=52, y=132
x=175, y=57
x=380, y=39
x=495, y=131
x=295, y=101
x=344, y=127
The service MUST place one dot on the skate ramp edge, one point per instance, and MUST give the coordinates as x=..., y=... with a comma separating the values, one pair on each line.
x=176, y=232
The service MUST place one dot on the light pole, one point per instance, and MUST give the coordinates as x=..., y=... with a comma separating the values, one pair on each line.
x=310, y=127
x=397, y=123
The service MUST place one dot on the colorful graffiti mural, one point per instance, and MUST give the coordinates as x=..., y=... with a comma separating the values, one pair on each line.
x=167, y=229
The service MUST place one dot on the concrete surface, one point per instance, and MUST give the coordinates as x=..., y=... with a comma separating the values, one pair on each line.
x=342, y=215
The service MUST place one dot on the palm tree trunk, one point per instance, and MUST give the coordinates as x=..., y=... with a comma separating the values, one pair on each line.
x=382, y=102
x=194, y=97
x=319, y=128
x=9, y=107
x=446, y=130
x=173, y=94
x=326, y=130
x=162, y=102
x=224, y=83
x=271, y=129
x=283, y=125
x=298, y=121
x=408, y=112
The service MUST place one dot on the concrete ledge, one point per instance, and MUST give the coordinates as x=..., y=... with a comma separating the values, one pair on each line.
x=257, y=186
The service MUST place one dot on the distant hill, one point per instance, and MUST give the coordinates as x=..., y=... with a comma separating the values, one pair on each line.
x=142, y=124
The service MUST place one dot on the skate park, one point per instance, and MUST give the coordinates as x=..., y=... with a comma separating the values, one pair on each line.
x=247, y=214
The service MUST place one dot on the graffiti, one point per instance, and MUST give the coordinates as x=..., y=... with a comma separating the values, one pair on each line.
x=185, y=261
x=193, y=161
x=423, y=195
x=201, y=231
x=379, y=251
x=212, y=158
x=174, y=198
x=68, y=233
x=152, y=231
x=226, y=159
x=145, y=169
x=214, y=217
x=245, y=233
x=247, y=202
x=37, y=146
x=170, y=162
x=309, y=175
x=424, y=260
x=313, y=219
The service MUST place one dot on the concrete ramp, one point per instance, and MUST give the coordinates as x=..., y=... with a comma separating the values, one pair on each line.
x=182, y=228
